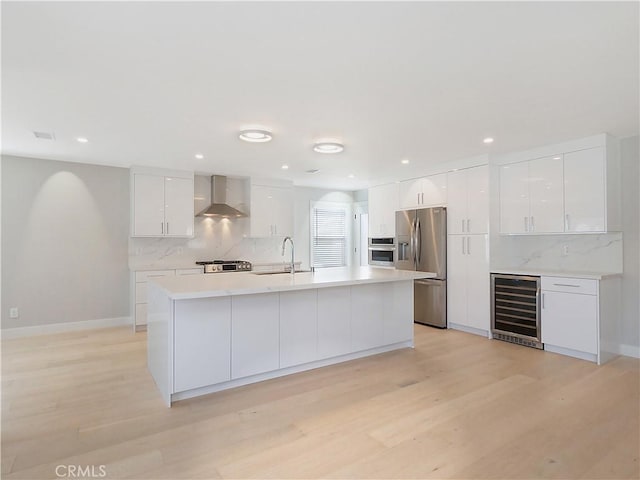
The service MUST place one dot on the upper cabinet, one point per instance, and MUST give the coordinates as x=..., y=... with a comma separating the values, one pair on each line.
x=570, y=192
x=428, y=191
x=383, y=203
x=468, y=200
x=162, y=203
x=271, y=210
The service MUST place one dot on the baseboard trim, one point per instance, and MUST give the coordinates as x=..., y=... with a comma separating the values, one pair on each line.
x=629, y=350
x=65, y=327
x=466, y=329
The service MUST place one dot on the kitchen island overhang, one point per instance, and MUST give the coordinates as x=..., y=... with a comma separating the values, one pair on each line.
x=208, y=333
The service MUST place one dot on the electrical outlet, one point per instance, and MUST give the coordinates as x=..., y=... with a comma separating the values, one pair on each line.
x=565, y=250
x=13, y=312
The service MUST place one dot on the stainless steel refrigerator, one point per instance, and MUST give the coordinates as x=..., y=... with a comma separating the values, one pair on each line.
x=421, y=244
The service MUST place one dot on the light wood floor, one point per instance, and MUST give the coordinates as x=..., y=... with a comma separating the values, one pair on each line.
x=458, y=406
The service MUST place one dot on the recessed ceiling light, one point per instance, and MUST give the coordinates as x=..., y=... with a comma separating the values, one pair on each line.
x=255, y=135
x=488, y=140
x=557, y=158
x=199, y=156
x=285, y=167
x=351, y=175
x=328, y=147
x=82, y=140
x=404, y=161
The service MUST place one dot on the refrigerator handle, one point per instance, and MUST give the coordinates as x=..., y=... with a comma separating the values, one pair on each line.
x=414, y=244
x=418, y=242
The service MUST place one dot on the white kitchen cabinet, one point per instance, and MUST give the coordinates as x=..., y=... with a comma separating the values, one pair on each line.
x=367, y=307
x=580, y=317
x=202, y=350
x=255, y=338
x=397, y=307
x=383, y=203
x=531, y=196
x=162, y=203
x=468, y=201
x=334, y=322
x=422, y=192
x=298, y=328
x=584, y=190
x=271, y=211
x=468, y=283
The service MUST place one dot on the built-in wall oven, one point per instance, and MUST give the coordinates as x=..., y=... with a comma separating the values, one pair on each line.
x=382, y=251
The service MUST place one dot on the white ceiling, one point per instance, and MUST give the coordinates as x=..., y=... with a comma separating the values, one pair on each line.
x=154, y=83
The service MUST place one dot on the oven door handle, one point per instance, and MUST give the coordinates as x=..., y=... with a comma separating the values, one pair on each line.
x=383, y=249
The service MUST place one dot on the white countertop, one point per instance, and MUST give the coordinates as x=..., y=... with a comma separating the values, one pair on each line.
x=555, y=273
x=225, y=284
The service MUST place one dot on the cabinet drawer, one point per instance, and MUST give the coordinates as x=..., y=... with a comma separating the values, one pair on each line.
x=570, y=285
x=190, y=271
x=143, y=276
x=141, y=292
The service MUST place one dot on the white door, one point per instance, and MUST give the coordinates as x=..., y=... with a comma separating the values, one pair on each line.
x=584, y=190
x=148, y=205
x=457, y=202
x=570, y=321
x=456, y=279
x=478, y=282
x=179, y=210
x=546, y=192
x=411, y=193
x=477, y=199
x=514, y=198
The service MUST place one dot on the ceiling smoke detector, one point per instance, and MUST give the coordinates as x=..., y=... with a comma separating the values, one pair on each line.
x=45, y=135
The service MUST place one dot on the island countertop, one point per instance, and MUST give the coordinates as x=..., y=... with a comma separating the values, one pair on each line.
x=247, y=283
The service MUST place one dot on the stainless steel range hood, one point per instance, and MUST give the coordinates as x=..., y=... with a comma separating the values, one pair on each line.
x=219, y=206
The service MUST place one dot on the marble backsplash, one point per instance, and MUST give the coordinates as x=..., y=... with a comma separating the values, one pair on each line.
x=214, y=239
x=577, y=253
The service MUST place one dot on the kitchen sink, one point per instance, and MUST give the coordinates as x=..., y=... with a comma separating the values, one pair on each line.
x=280, y=273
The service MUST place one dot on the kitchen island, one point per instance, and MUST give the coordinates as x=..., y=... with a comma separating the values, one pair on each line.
x=208, y=333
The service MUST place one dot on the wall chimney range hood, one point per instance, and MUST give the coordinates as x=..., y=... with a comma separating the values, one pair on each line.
x=219, y=206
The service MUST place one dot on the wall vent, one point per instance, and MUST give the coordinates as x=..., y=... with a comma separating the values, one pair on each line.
x=45, y=135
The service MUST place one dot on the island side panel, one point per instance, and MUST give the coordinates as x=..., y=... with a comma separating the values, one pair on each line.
x=160, y=340
x=202, y=336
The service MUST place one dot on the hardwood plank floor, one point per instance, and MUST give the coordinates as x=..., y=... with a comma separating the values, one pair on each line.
x=456, y=406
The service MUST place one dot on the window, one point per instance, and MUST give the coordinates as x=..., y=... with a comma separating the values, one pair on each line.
x=329, y=234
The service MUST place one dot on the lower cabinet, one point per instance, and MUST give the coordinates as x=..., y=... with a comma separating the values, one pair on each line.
x=468, y=283
x=255, y=339
x=334, y=322
x=298, y=327
x=398, y=305
x=367, y=307
x=202, y=352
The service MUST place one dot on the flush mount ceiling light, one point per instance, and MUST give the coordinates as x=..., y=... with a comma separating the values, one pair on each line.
x=488, y=140
x=254, y=135
x=328, y=147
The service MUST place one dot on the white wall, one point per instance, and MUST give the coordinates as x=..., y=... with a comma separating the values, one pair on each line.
x=64, y=242
x=630, y=327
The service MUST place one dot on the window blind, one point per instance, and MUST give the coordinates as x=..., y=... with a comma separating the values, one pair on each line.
x=329, y=243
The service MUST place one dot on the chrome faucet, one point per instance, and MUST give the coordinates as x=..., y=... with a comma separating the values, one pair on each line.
x=284, y=242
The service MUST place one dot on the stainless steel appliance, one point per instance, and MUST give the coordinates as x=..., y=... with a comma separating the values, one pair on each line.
x=382, y=252
x=221, y=266
x=515, y=309
x=421, y=244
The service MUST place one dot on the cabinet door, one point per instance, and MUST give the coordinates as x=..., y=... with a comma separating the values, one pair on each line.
x=434, y=188
x=477, y=199
x=298, y=327
x=179, y=212
x=410, y=193
x=148, y=205
x=457, y=202
x=255, y=341
x=389, y=207
x=334, y=321
x=367, y=306
x=398, y=312
x=456, y=279
x=375, y=208
x=202, y=342
x=282, y=201
x=570, y=321
x=584, y=190
x=514, y=198
x=262, y=207
x=478, y=283
x=546, y=192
